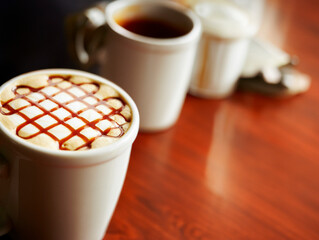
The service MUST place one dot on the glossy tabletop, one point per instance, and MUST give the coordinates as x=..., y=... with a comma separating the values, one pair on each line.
x=245, y=167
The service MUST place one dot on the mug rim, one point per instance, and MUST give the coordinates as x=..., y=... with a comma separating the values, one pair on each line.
x=109, y=151
x=194, y=32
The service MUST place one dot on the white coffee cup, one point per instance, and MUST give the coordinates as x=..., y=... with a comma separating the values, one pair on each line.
x=63, y=195
x=227, y=30
x=154, y=71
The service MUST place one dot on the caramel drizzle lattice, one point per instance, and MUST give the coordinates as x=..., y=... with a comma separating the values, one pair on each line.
x=74, y=132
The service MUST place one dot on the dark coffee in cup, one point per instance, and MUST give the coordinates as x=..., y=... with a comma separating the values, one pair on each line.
x=155, y=28
x=155, y=22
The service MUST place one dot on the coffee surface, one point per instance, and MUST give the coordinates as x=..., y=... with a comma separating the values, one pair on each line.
x=154, y=28
x=64, y=112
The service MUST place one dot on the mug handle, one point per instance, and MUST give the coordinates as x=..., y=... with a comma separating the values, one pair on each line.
x=5, y=224
x=86, y=33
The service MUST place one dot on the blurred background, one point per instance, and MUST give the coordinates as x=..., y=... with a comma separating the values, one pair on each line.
x=33, y=35
x=33, y=32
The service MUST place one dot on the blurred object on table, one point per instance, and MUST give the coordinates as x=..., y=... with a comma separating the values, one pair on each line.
x=254, y=8
x=261, y=55
x=227, y=30
x=268, y=69
x=271, y=71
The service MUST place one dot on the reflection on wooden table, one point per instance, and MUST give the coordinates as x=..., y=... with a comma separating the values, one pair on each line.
x=245, y=167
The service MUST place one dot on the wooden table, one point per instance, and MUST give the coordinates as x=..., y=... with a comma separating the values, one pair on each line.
x=246, y=167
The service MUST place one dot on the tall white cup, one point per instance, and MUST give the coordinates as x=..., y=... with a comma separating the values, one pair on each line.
x=155, y=71
x=64, y=195
x=227, y=30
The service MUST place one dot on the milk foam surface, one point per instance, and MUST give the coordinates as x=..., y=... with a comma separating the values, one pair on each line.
x=64, y=112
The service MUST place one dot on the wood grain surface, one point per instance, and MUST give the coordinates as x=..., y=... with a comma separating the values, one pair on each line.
x=245, y=167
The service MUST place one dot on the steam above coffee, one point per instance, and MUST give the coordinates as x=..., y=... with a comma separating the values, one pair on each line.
x=65, y=112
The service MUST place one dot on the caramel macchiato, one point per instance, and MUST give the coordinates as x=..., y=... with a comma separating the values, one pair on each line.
x=66, y=112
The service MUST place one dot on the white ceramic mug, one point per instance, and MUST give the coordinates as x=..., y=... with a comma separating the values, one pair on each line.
x=64, y=195
x=154, y=71
x=221, y=55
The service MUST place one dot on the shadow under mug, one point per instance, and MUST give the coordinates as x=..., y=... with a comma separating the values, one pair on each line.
x=154, y=68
